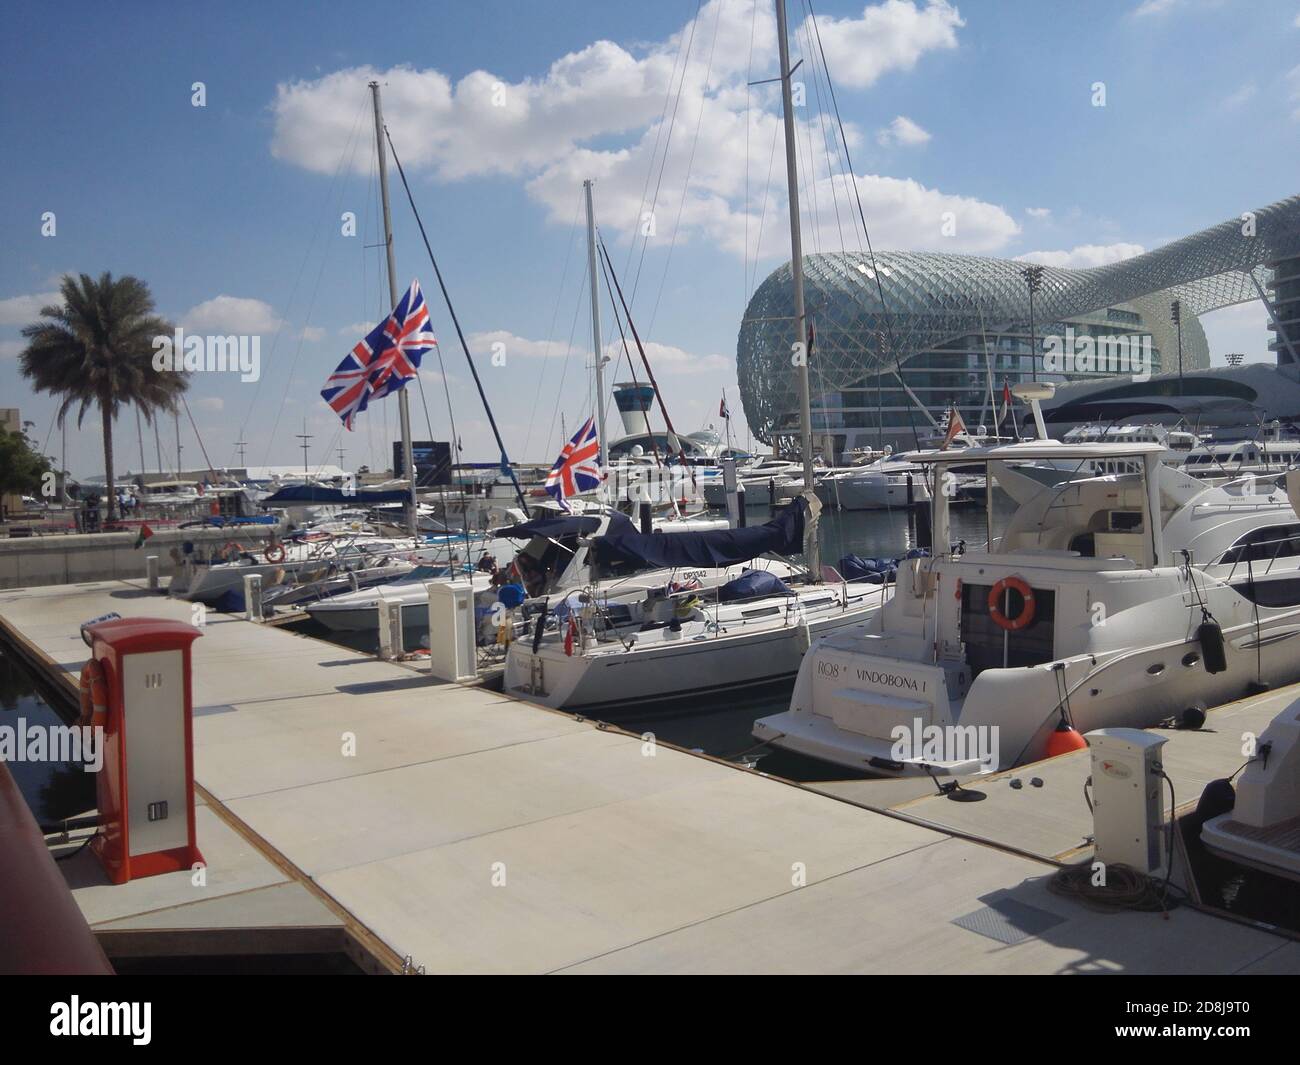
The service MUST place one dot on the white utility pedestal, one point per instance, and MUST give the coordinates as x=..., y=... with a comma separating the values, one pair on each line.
x=1127, y=804
x=253, y=596
x=391, y=633
x=453, y=652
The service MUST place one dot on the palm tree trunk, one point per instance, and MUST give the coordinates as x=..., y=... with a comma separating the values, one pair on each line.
x=105, y=411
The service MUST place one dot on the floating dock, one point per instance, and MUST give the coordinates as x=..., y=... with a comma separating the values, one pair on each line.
x=352, y=803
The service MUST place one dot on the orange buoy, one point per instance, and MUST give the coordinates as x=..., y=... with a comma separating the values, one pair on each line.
x=94, y=694
x=1064, y=739
x=274, y=553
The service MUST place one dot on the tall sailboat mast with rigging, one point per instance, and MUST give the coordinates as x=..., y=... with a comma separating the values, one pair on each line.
x=403, y=401
x=595, y=327
x=800, y=350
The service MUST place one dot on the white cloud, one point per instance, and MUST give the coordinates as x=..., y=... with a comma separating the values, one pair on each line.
x=231, y=314
x=24, y=310
x=544, y=131
x=890, y=36
x=664, y=358
x=1241, y=96
x=901, y=131
x=210, y=403
x=1038, y=212
x=357, y=330
x=312, y=333
x=1084, y=255
x=483, y=345
x=667, y=359
x=1154, y=7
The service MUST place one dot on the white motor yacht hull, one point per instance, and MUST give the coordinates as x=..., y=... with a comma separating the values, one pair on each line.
x=872, y=492
x=848, y=702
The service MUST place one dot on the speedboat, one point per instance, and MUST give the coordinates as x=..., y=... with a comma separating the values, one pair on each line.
x=731, y=616
x=1113, y=601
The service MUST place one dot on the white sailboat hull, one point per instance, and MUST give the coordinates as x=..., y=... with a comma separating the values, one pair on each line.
x=664, y=668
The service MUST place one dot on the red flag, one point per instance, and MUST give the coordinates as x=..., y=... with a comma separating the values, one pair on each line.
x=955, y=426
x=142, y=534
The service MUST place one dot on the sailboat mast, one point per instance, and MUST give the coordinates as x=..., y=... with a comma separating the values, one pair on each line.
x=796, y=270
x=403, y=401
x=595, y=323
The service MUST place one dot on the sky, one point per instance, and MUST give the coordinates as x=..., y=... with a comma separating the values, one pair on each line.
x=216, y=152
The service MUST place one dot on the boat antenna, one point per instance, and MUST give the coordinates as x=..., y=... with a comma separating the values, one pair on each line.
x=478, y=383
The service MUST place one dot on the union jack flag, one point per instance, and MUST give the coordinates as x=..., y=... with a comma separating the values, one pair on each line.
x=384, y=361
x=578, y=467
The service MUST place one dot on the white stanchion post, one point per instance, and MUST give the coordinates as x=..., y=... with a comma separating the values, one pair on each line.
x=151, y=571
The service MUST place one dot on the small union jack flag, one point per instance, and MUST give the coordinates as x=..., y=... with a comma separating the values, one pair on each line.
x=578, y=467
x=384, y=361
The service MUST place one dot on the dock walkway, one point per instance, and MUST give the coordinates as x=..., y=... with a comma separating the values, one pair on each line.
x=473, y=832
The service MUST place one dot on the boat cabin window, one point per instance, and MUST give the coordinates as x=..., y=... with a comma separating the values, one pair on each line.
x=1262, y=545
x=989, y=646
x=1101, y=514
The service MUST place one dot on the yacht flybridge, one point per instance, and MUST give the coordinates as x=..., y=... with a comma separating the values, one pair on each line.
x=1117, y=600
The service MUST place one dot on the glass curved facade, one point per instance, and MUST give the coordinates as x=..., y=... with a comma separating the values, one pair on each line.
x=954, y=328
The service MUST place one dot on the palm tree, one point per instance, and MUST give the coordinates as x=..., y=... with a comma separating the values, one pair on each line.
x=97, y=349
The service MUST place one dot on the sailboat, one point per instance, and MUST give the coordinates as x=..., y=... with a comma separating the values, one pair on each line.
x=625, y=649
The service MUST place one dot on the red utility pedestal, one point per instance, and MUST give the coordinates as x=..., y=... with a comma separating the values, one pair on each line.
x=146, y=784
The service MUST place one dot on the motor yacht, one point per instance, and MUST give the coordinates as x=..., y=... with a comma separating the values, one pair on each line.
x=1119, y=600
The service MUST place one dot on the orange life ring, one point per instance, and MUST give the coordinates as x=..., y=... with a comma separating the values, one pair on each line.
x=1026, y=614
x=94, y=694
x=274, y=553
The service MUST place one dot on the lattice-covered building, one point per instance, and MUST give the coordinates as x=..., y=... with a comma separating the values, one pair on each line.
x=951, y=325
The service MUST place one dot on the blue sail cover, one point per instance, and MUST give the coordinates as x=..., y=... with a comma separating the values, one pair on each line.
x=783, y=535
x=299, y=494
x=567, y=525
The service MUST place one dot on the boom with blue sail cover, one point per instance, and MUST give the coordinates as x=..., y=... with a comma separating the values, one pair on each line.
x=783, y=535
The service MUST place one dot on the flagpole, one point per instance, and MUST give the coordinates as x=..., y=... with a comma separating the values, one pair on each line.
x=403, y=401
x=595, y=324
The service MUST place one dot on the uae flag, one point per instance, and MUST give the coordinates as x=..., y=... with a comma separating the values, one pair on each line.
x=142, y=534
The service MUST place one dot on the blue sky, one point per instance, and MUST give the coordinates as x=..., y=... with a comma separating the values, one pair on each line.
x=231, y=211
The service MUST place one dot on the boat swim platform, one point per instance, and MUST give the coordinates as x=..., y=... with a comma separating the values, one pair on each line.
x=475, y=832
x=1039, y=808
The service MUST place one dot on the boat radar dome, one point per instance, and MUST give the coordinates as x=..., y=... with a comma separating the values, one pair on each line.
x=1031, y=390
